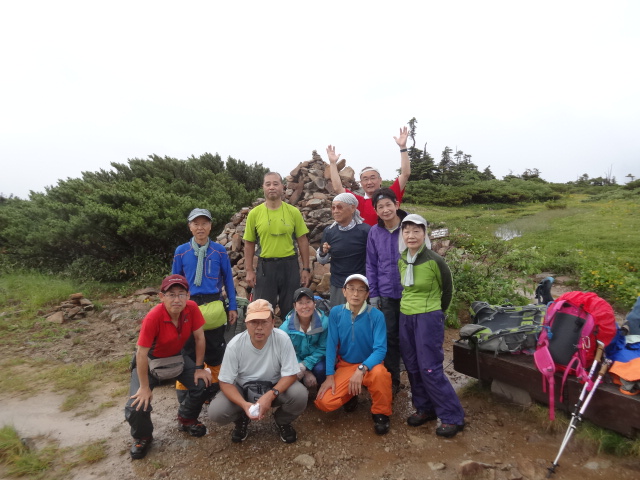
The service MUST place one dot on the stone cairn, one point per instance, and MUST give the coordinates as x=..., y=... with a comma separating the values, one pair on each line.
x=309, y=188
x=76, y=307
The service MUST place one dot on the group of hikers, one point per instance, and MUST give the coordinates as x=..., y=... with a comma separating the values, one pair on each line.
x=388, y=295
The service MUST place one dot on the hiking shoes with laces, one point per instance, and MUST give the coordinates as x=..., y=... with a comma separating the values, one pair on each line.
x=351, y=405
x=448, y=430
x=287, y=433
x=419, y=418
x=193, y=428
x=241, y=430
x=381, y=423
x=140, y=448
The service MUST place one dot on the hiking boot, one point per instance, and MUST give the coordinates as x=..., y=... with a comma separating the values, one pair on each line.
x=140, y=447
x=192, y=427
x=351, y=405
x=448, y=430
x=287, y=433
x=241, y=430
x=395, y=389
x=419, y=417
x=381, y=423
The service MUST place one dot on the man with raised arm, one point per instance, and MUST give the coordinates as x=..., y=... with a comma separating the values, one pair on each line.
x=371, y=180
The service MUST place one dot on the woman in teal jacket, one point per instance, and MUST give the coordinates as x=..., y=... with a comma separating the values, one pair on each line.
x=307, y=328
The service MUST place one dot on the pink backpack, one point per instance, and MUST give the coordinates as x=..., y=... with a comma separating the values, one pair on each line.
x=572, y=326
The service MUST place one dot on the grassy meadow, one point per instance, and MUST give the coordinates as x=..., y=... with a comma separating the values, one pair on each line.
x=594, y=242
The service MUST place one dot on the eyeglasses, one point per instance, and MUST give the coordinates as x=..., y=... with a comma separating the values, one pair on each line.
x=355, y=289
x=258, y=323
x=173, y=296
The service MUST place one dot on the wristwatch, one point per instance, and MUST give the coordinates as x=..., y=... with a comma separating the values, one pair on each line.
x=276, y=392
x=363, y=368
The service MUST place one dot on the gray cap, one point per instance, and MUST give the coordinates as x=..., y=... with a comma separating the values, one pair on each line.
x=199, y=212
x=415, y=218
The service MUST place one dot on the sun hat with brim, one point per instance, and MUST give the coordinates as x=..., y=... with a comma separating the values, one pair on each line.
x=172, y=280
x=258, y=310
x=357, y=276
x=302, y=291
x=199, y=212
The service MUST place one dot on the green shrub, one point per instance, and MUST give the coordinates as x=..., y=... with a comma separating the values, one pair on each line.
x=124, y=223
x=480, y=273
x=555, y=205
x=510, y=191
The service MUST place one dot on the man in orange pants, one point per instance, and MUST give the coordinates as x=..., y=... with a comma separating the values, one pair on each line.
x=356, y=347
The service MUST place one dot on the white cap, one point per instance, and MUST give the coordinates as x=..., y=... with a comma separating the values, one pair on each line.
x=357, y=276
x=418, y=220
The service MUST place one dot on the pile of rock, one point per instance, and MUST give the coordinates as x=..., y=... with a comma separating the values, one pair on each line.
x=76, y=307
x=309, y=188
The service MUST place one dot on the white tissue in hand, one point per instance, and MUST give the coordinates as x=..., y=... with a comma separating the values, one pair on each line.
x=254, y=410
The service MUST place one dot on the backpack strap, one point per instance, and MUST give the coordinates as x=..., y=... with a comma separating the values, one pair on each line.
x=547, y=367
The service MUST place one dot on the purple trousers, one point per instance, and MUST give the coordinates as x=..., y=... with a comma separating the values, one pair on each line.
x=421, y=338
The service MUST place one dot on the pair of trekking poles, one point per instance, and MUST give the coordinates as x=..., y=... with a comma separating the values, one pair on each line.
x=583, y=401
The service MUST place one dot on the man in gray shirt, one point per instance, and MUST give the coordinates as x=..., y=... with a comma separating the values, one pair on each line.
x=259, y=371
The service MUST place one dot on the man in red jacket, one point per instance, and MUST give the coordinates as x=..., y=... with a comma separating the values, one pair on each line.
x=371, y=180
x=164, y=331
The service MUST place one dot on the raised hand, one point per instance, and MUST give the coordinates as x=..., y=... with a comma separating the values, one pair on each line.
x=331, y=153
x=401, y=140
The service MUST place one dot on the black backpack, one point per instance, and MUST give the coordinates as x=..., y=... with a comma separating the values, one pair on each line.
x=322, y=304
x=543, y=291
x=503, y=328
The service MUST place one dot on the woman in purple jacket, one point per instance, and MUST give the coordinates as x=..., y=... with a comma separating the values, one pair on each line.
x=383, y=275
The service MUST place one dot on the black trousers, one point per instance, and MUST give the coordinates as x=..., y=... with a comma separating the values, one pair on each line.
x=390, y=307
x=276, y=280
x=190, y=407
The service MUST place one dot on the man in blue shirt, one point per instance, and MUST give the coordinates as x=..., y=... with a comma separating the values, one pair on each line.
x=357, y=340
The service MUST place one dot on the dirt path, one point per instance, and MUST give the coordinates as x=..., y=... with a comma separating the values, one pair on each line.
x=507, y=442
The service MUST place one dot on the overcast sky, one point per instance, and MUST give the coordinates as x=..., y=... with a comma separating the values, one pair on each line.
x=553, y=85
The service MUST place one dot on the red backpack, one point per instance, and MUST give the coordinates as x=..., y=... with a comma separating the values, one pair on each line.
x=573, y=325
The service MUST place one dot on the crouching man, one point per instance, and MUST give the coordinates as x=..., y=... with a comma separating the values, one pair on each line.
x=357, y=340
x=259, y=371
x=164, y=331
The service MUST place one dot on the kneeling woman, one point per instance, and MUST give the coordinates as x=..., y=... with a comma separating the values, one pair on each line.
x=307, y=328
x=427, y=290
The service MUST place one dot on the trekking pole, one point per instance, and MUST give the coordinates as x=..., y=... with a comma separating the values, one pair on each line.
x=577, y=417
